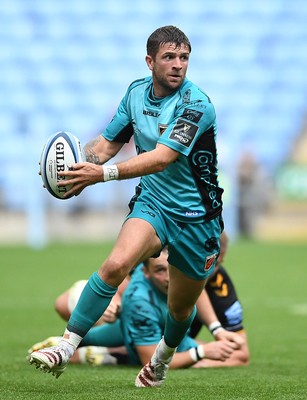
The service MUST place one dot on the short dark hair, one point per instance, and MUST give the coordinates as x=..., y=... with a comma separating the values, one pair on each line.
x=166, y=34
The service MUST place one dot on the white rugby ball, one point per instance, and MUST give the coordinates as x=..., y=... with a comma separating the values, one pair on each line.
x=61, y=151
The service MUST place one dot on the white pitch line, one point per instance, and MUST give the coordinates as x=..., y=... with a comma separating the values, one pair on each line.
x=299, y=309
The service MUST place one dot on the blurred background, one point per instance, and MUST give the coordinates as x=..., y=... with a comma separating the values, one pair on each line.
x=65, y=65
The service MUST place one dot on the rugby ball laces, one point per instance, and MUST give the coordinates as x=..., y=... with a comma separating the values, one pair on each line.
x=62, y=150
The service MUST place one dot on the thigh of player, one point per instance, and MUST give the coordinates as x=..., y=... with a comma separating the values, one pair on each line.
x=137, y=241
x=195, y=249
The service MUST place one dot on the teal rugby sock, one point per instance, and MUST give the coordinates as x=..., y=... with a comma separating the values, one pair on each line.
x=175, y=330
x=93, y=301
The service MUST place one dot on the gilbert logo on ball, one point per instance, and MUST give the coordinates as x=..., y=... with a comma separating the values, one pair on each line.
x=61, y=151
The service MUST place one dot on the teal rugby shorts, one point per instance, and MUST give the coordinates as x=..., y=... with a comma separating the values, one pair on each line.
x=193, y=247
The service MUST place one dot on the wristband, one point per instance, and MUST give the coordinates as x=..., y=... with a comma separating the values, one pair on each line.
x=193, y=354
x=197, y=353
x=215, y=327
x=200, y=352
x=110, y=172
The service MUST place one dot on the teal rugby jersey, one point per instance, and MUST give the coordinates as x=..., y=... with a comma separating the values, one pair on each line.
x=187, y=190
x=143, y=316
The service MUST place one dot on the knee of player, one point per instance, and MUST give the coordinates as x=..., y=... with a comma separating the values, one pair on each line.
x=245, y=357
x=244, y=351
x=61, y=306
x=180, y=314
x=114, y=270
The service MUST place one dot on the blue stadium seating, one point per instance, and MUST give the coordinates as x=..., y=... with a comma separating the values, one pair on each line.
x=66, y=65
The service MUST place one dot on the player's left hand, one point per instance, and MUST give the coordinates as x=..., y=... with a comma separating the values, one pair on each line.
x=80, y=175
x=111, y=313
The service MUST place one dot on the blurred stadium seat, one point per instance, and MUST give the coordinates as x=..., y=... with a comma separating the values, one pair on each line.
x=66, y=65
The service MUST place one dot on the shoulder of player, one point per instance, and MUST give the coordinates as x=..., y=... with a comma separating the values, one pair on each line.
x=193, y=97
x=138, y=289
x=138, y=83
x=140, y=298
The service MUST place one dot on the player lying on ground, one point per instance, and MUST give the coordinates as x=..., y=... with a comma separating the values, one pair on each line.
x=141, y=320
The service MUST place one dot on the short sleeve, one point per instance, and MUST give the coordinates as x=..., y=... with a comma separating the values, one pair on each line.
x=190, y=122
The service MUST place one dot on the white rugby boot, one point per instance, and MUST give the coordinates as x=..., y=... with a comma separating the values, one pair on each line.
x=51, y=359
x=154, y=372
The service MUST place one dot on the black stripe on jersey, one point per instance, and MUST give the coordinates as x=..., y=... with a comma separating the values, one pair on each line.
x=223, y=295
x=203, y=163
x=151, y=297
x=138, y=190
x=125, y=134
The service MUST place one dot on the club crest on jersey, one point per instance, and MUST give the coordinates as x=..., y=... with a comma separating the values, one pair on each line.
x=210, y=261
x=162, y=128
x=187, y=96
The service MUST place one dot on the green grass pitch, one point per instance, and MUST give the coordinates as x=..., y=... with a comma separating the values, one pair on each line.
x=271, y=283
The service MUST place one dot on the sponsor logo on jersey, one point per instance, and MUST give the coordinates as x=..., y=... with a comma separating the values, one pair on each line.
x=191, y=213
x=151, y=113
x=198, y=103
x=183, y=132
x=210, y=261
x=149, y=213
x=192, y=115
x=204, y=160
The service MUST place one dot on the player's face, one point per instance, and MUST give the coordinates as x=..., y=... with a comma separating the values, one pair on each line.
x=168, y=68
x=157, y=272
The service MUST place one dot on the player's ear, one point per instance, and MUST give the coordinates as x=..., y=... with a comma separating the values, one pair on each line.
x=149, y=62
